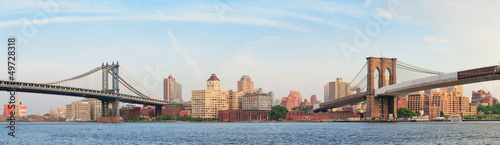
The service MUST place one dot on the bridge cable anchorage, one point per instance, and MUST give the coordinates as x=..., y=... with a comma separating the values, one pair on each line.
x=364, y=66
x=127, y=76
x=415, y=68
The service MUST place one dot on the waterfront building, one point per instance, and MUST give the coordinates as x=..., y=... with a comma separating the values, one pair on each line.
x=207, y=103
x=245, y=84
x=482, y=98
x=19, y=110
x=58, y=113
x=417, y=101
x=451, y=103
x=403, y=102
x=432, y=111
x=78, y=111
x=235, y=100
x=95, y=108
x=172, y=90
x=256, y=102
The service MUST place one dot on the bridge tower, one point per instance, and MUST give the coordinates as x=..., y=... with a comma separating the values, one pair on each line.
x=112, y=70
x=106, y=71
x=380, y=106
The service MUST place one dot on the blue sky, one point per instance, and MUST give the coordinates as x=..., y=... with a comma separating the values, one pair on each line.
x=281, y=45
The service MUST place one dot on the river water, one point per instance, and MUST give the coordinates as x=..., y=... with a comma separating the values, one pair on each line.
x=254, y=133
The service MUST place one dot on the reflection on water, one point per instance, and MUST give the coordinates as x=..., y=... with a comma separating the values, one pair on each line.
x=255, y=133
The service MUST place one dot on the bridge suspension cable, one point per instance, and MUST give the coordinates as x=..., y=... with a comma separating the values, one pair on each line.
x=132, y=80
x=364, y=66
x=128, y=86
x=413, y=68
x=78, y=77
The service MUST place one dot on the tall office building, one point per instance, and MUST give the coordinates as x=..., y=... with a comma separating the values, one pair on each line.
x=207, y=103
x=95, y=107
x=172, y=90
x=313, y=99
x=235, y=99
x=326, y=92
x=245, y=84
x=338, y=89
x=272, y=97
x=78, y=111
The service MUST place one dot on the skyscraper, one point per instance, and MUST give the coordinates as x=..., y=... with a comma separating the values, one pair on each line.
x=272, y=97
x=207, y=103
x=327, y=90
x=172, y=90
x=338, y=89
x=245, y=84
x=313, y=99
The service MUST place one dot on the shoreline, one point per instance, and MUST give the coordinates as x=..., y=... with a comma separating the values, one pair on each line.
x=175, y=121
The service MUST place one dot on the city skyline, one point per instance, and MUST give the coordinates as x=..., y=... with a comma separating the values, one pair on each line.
x=271, y=46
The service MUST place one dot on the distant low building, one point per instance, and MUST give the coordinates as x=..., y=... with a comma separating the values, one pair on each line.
x=78, y=111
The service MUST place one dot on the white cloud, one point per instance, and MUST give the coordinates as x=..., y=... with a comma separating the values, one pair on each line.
x=430, y=38
x=433, y=39
x=191, y=63
x=469, y=24
x=367, y=3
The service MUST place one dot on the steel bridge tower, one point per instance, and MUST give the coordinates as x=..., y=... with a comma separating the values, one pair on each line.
x=112, y=104
x=114, y=71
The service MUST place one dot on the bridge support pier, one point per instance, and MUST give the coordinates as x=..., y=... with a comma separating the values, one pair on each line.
x=158, y=110
x=381, y=106
x=114, y=116
x=104, y=108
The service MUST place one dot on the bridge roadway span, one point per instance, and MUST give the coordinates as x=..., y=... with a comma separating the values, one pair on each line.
x=444, y=80
x=77, y=92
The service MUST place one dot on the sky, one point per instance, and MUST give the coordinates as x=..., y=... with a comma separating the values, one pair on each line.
x=282, y=45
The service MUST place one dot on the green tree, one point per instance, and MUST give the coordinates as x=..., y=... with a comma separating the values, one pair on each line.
x=46, y=114
x=441, y=114
x=278, y=112
x=403, y=112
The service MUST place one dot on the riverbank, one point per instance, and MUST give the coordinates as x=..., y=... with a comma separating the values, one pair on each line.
x=481, y=120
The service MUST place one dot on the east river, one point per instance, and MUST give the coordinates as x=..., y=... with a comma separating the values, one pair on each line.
x=486, y=132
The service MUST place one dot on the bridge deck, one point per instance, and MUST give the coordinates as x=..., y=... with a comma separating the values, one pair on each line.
x=451, y=79
x=77, y=92
x=347, y=100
